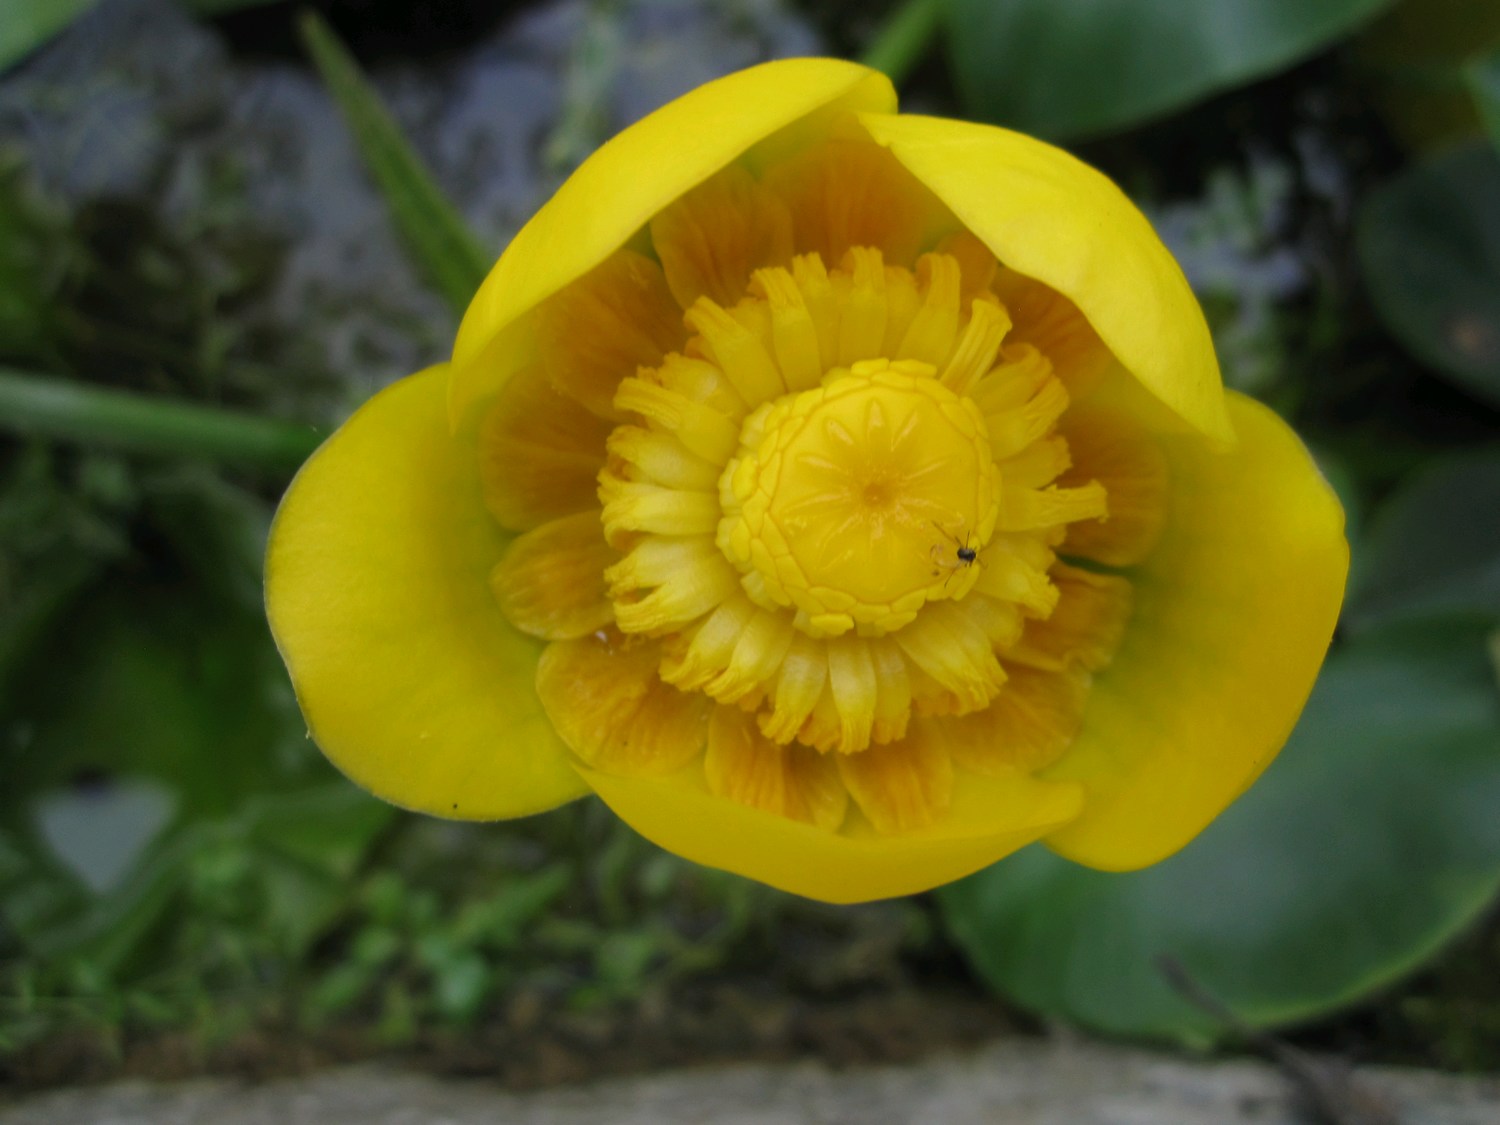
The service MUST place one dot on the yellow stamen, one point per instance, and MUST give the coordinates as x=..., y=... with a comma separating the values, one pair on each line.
x=862, y=325
x=736, y=351
x=661, y=457
x=930, y=336
x=793, y=333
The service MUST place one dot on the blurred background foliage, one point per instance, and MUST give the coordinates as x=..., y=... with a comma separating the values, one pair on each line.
x=193, y=240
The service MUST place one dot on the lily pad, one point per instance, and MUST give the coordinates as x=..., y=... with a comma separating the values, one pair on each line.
x=1434, y=548
x=1429, y=247
x=1369, y=843
x=1069, y=68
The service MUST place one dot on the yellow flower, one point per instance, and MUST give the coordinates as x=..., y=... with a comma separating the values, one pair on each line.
x=848, y=499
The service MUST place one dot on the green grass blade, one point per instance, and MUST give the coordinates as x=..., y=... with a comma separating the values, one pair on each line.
x=447, y=250
x=38, y=406
x=26, y=24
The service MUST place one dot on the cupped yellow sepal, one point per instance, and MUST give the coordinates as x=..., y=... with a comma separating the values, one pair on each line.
x=989, y=818
x=621, y=187
x=411, y=679
x=1052, y=218
x=1233, y=613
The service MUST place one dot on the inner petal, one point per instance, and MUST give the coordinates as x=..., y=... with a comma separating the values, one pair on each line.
x=550, y=581
x=608, y=704
x=791, y=781
x=902, y=786
x=712, y=239
x=598, y=330
x=539, y=452
x=850, y=192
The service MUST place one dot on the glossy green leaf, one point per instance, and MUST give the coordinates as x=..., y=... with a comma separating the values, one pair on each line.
x=1429, y=248
x=156, y=754
x=1068, y=68
x=434, y=230
x=26, y=24
x=1370, y=842
x=1434, y=547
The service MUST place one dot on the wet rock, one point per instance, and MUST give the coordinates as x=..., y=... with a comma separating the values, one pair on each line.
x=1018, y=1082
x=138, y=101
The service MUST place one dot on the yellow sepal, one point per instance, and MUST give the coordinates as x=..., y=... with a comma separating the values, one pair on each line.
x=410, y=678
x=617, y=190
x=1232, y=617
x=990, y=817
x=1053, y=218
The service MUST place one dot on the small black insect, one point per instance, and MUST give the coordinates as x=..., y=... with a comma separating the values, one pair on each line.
x=965, y=553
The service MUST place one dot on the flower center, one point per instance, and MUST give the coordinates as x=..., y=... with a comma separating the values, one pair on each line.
x=807, y=502
x=851, y=502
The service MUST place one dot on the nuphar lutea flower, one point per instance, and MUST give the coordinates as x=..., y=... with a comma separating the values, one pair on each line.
x=847, y=498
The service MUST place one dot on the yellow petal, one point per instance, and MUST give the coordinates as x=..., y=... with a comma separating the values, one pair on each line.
x=609, y=705
x=410, y=678
x=1026, y=727
x=716, y=235
x=1233, y=614
x=655, y=161
x=1052, y=218
x=539, y=453
x=1084, y=628
x=902, y=785
x=791, y=781
x=550, y=581
x=847, y=192
x=598, y=332
x=989, y=819
x=1052, y=324
x=1110, y=447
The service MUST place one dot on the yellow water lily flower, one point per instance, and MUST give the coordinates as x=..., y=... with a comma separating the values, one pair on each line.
x=847, y=498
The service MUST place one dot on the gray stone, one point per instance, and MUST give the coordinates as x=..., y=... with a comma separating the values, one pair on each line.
x=1016, y=1082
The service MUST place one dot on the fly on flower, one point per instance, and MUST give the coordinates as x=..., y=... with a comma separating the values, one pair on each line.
x=662, y=529
x=963, y=550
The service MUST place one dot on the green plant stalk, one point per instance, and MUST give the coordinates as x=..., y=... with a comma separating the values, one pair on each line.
x=901, y=42
x=49, y=407
x=435, y=232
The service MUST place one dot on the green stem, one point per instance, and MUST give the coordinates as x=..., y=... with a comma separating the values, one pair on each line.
x=906, y=36
x=42, y=406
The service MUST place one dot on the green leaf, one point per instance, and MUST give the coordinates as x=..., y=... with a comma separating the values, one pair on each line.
x=1434, y=548
x=434, y=230
x=1429, y=248
x=1370, y=843
x=1067, y=68
x=27, y=24
x=150, y=713
x=1483, y=77
x=217, y=530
